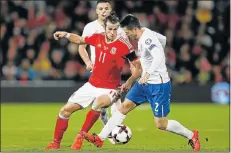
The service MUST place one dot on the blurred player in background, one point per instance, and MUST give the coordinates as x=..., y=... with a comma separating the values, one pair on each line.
x=110, y=53
x=154, y=86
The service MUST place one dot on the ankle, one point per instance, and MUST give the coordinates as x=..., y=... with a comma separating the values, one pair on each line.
x=55, y=141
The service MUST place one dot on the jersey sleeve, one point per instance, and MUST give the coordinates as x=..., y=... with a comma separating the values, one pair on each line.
x=92, y=40
x=156, y=51
x=162, y=39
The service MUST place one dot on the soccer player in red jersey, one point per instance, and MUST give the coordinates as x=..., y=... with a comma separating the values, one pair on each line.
x=103, y=9
x=110, y=53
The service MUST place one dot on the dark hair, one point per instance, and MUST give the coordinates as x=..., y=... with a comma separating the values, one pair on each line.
x=130, y=22
x=112, y=18
x=102, y=1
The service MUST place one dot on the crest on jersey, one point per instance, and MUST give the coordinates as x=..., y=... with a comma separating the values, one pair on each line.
x=113, y=50
x=148, y=41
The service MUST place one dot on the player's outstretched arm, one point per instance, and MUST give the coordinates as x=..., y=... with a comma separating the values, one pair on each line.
x=70, y=36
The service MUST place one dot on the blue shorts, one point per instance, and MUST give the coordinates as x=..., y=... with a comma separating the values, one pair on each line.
x=158, y=95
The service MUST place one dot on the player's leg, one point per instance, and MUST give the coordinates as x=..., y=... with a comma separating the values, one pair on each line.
x=62, y=124
x=103, y=99
x=115, y=106
x=134, y=97
x=160, y=103
x=116, y=119
x=104, y=116
x=94, y=113
x=78, y=100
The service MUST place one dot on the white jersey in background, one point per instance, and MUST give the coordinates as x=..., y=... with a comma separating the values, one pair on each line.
x=96, y=27
x=151, y=52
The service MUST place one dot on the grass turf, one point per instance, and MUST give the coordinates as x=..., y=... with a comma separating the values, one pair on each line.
x=29, y=128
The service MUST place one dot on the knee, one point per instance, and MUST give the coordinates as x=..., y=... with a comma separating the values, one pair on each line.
x=101, y=102
x=67, y=110
x=161, y=123
x=125, y=107
x=97, y=105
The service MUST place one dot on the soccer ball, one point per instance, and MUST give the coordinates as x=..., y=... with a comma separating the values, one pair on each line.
x=121, y=134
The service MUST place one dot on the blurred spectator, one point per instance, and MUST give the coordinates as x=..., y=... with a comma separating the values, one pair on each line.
x=197, y=34
x=9, y=71
x=25, y=71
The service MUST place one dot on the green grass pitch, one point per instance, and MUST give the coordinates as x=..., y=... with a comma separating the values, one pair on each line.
x=29, y=128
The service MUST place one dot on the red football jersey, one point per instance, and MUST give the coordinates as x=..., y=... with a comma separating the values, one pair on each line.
x=109, y=60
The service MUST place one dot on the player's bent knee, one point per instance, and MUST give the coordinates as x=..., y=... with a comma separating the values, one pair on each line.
x=68, y=109
x=103, y=101
x=161, y=123
x=126, y=106
x=96, y=106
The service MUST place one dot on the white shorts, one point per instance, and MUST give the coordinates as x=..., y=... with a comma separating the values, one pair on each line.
x=85, y=95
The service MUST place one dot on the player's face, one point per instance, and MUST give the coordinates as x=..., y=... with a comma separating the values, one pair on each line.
x=111, y=30
x=103, y=10
x=130, y=33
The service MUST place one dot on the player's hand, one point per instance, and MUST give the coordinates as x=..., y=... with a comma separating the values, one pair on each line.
x=89, y=66
x=126, y=86
x=144, y=78
x=59, y=34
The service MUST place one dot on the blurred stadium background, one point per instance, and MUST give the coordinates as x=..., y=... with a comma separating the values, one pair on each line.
x=36, y=68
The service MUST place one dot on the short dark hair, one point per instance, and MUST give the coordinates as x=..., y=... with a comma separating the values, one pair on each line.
x=130, y=22
x=112, y=18
x=102, y=1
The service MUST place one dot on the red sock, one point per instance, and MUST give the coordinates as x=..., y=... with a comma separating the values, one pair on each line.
x=90, y=120
x=60, y=128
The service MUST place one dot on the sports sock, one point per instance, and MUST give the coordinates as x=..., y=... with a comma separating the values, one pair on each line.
x=114, y=106
x=90, y=120
x=104, y=116
x=175, y=127
x=60, y=128
x=116, y=119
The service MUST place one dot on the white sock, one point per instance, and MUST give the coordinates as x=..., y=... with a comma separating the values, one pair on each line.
x=104, y=116
x=177, y=128
x=116, y=119
x=113, y=108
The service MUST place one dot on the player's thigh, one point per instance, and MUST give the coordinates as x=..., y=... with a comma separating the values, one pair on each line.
x=160, y=99
x=102, y=101
x=104, y=97
x=137, y=94
x=84, y=96
x=69, y=108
